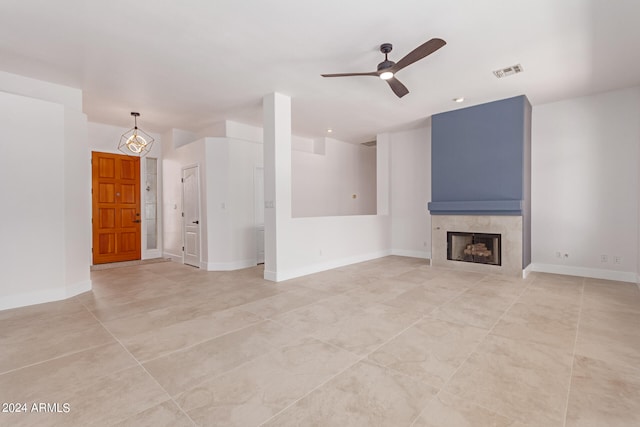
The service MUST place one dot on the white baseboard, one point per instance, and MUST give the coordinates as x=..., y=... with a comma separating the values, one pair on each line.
x=229, y=266
x=270, y=275
x=48, y=295
x=217, y=266
x=279, y=276
x=78, y=288
x=594, y=273
x=151, y=254
x=528, y=269
x=412, y=254
x=173, y=257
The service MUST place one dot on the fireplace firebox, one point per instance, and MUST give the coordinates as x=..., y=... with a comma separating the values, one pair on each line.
x=479, y=248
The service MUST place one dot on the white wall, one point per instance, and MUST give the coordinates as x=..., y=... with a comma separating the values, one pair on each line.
x=68, y=97
x=45, y=184
x=410, y=186
x=230, y=205
x=173, y=161
x=245, y=156
x=300, y=246
x=324, y=181
x=77, y=214
x=227, y=231
x=585, y=185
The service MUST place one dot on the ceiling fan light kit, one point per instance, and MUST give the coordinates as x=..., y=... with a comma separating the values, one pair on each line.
x=387, y=69
x=135, y=142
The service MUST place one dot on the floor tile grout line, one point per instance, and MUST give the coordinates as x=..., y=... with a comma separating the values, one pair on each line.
x=235, y=368
x=246, y=362
x=262, y=319
x=71, y=353
x=573, y=356
x=518, y=298
x=361, y=359
x=308, y=335
x=472, y=352
x=423, y=316
x=358, y=357
x=145, y=370
x=190, y=346
x=286, y=311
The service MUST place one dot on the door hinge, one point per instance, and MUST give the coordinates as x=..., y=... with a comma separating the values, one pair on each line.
x=182, y=214
x=183, y=249
x=181, y=179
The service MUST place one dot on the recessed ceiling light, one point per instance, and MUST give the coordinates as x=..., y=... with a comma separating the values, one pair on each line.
x=459, y=99
x=329, y=130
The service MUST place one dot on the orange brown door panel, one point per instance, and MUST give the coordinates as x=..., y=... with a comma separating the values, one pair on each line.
x=116, y=207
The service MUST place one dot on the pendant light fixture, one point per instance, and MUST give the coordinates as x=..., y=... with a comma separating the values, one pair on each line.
x=135, y=142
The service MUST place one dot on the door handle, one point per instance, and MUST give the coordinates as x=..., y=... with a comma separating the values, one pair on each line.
x=195, y=222
x=136, y=220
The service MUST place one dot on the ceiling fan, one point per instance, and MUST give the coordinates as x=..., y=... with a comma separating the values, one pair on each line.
x=387, y=69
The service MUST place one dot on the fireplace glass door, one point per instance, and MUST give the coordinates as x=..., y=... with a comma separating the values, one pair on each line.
x=480, y=248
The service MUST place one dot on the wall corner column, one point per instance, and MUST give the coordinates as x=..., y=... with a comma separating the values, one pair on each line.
x=277, y=178
x=383, y=166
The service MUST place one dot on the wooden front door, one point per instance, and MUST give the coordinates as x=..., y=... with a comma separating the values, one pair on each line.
x=116, y=207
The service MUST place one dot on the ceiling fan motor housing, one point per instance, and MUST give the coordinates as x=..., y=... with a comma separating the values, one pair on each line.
x=385, y=64
x=385, y=48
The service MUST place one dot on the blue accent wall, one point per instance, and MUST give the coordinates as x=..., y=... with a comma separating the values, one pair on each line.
x=478, y=155
x=481, y=163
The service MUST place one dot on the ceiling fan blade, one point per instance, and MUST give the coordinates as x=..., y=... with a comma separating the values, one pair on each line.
x=398, y=88
x=418, y=53
x=373, y=73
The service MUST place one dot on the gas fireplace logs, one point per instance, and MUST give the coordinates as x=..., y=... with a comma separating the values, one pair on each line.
x=477, y=249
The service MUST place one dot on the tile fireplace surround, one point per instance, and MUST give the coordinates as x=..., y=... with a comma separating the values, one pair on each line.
x=510, y=227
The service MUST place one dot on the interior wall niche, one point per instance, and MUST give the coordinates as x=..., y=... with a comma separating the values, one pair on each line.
x=332, y=178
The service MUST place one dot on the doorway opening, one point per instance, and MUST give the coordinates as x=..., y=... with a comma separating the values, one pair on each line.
x=115, y=194
x=191, y=215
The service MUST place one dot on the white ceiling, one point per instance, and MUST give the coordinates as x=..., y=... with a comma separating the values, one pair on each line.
x=190, y=63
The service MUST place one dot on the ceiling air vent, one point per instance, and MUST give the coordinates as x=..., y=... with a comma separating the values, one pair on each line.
x=505, y=72
x=369, y=143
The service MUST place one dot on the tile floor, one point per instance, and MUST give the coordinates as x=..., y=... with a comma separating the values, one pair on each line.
x=389, y=342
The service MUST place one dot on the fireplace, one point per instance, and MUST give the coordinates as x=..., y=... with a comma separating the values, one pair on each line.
x=480, y=248
x=494, y=198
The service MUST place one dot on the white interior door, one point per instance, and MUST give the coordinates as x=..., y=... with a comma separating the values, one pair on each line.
x=191, y=215
x=258, y=181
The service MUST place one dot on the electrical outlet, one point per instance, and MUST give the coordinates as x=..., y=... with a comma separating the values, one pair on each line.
x=604, y=258
x=617, y=259
x=566, y=255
